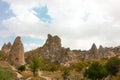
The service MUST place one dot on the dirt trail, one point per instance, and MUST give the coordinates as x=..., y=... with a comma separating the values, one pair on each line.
x=40, y=74
x=18, y=74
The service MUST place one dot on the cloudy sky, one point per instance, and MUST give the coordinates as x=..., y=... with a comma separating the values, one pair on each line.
x=79, y=23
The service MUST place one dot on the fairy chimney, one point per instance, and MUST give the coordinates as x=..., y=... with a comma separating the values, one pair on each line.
x=16, y=55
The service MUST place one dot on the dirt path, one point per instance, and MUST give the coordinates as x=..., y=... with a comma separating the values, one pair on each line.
x=40, y=74
x=28, y=78
x=18, y=74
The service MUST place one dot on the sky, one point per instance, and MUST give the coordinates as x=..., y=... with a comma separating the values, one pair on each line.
x=79, y=23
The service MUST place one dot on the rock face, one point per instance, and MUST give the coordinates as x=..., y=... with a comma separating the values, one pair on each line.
x=16, y=55
x=52, y=45
x=52, y=49
x=6, y=48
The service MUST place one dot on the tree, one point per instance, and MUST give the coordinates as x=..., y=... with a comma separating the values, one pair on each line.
x=35, y=65
x=66, y=73
x=96, y=71
x=113, y=65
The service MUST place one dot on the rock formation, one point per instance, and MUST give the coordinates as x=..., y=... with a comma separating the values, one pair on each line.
x=16, y=55
x=6, y=48
x=52, y=43
x=92, y=53
x=101, y=52
x=93, y=49
x=53, y=51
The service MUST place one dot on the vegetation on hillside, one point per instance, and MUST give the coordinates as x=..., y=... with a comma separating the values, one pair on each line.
x=3, y=56
x=6, y=74
x=96, y=71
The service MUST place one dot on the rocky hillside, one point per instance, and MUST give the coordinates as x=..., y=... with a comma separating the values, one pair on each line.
x=52, y=50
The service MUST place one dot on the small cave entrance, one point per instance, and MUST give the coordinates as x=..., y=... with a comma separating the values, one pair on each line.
x=17, y=59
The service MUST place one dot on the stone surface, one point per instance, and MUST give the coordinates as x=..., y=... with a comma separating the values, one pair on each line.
x=16, y=55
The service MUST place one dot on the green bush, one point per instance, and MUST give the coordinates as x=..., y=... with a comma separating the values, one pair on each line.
x=65, y=73
x=79, y=66
x=6, y=74
x=113, y=65
x=22, y=68
x=96, y=71
x=51, y=68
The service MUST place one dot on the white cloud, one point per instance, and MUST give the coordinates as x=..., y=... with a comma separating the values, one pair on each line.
x=101, y=25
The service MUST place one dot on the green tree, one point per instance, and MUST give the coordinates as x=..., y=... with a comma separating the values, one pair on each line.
x=6, y=74
x=35, y=64
x=66, y=73
x=113, y=65
x=96, y=71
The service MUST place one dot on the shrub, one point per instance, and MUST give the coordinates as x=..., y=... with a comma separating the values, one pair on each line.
x=22, y=68
x=113, y=65
x=96, y=71
x=66, y=73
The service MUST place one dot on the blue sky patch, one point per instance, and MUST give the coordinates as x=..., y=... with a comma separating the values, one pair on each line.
x=32, y=40
x=5, y=12
x=42, y=13
x=3, y=40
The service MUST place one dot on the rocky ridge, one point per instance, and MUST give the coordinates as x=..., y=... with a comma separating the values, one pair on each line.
x=53, y=51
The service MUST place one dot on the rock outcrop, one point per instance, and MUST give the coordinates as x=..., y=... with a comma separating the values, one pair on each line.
x=16, y=55
x=92, y=53
x=93, y=49
x=52, y=43
x=53, y=51
x=6, y=48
